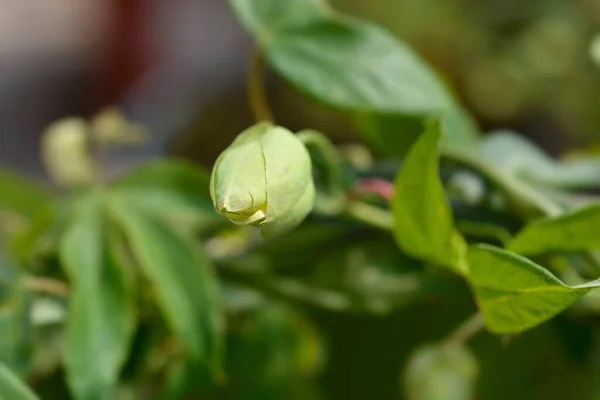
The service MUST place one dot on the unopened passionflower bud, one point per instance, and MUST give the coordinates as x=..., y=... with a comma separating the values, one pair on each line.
x=264, y=179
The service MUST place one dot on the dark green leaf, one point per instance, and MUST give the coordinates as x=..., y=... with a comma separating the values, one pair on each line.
x=438, y=372
x=341, y=61
x=11, y=388
x=514, y=293
x=423, y=221
x=20, y=194
x=571, y=231
x=101, y=311
x=186, y=287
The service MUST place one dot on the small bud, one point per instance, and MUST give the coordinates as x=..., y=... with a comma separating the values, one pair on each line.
x=66, y=152
x=264, y=179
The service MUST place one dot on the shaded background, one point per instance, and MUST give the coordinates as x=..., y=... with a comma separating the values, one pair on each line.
x=179, y=66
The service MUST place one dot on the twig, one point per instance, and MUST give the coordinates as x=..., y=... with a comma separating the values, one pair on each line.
x=370, y=215
x=466, y=330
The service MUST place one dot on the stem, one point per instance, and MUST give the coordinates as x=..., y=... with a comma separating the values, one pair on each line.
x=371, y=215
x=256, y=88
x=513, y=188
x=484, y=229
x=47, y=285
x=333, y=199
x=466, y=330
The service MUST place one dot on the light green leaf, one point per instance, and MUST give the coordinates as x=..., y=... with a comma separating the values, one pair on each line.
x=438, y=372
x=423, y=220
x=11, y=388
x=341, y=61
x=520, y=157
x=21, y=194
x=572, y=231
x=101, y=311
x=186, y=288
x=514, y=293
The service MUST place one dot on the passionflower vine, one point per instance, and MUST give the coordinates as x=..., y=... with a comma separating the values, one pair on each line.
x=264, y=179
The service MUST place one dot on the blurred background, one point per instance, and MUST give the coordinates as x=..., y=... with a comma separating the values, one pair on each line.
x=179, y=68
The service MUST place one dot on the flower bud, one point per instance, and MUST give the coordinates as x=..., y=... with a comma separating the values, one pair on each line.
x=264, y=179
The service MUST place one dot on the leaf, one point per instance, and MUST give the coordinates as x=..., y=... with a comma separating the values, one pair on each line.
x=101, y=310
x=187, y=213
x=341, y=61
x=12, y=388
x=15, y=322
x=514, y=293
x=393, y=134
x=20, y=194
x=524, y=159
x=438, y=372
x=176, y=190
x=423, y=221
x=572, y=231
x=186, y=288
x=173, y=175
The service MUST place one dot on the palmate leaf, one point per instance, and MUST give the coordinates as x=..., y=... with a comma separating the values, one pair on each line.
x=514, y=293
x=101, y=314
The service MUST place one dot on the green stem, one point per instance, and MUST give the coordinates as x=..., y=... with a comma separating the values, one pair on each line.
x=370, y=215
x=520, y=192
x=466, y=330
x=333, y=199
x=484, y=229
x=256, y=88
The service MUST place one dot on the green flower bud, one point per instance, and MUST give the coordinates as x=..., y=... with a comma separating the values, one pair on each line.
x=264, y=179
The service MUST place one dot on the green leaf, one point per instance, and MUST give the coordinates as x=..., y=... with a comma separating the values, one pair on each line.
x=176, y=190
x=514, y=293
x=20, y=194
x=186, y=288
x=101, y=310
x=174, y=175
x=423, y=220
x=572, y=231
x=15, y=319
x=393, y=134
x=518, y=156
x=11, y=388
x=438, y=372
x=390, y=134
x=341, y=61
